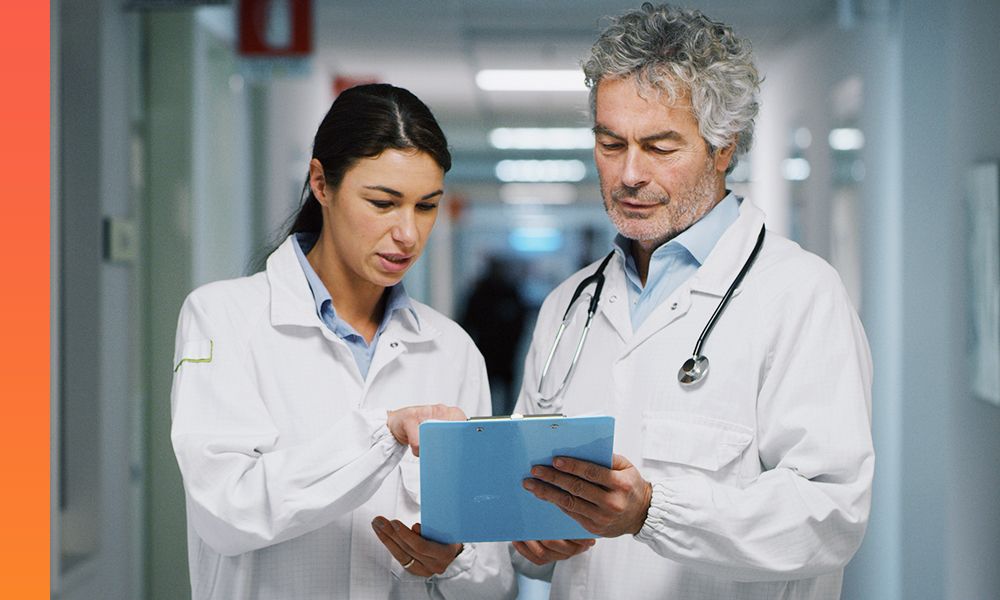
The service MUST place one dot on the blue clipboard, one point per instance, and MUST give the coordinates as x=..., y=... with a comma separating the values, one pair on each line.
x=471, y=473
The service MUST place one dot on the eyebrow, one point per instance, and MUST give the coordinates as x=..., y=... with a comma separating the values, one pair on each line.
x=668, y=135
x=398, y=194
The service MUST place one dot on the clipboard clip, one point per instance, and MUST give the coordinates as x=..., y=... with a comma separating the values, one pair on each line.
x=516, y=416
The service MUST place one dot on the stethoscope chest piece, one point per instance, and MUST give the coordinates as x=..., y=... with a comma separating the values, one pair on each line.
x=693, y=370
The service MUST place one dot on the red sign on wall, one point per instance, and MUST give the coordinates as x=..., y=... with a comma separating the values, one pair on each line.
x=275, y=27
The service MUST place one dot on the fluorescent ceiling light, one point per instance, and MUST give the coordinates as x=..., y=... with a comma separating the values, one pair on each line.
x=538, y=193
x=542, y=138
x=540, y=170
x=847, y=138
x=536, y=80
x=795, y=169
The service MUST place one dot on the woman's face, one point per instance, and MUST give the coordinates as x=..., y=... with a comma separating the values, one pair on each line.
x=380, y=216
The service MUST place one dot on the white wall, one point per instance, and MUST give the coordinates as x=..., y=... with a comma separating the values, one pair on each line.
x=972, y=488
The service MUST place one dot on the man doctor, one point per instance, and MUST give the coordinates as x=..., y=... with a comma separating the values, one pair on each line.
x=754, y=480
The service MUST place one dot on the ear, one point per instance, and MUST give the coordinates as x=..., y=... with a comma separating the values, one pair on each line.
x=723, y=156
x=317, y=182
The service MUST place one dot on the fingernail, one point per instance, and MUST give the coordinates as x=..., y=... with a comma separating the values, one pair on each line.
x=377, y=523
x=529, y=485
x=536, y=471
x=559, y=462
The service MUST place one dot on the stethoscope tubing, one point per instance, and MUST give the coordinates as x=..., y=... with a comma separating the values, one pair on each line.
x=598, y=279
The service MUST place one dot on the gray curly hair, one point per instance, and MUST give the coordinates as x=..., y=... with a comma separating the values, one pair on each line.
x=675, y=51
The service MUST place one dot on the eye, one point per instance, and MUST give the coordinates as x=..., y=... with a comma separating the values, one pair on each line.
x=663, y=151
x=611, y=145
x=381, y=204
x=426, y=206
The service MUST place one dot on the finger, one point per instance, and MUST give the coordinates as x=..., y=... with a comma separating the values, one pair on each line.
x=592, y=472
x=433, y=556
x=576, y=486
x=533, y=551
x=570, y=504
x=386, y=535
x=412, y=428
x=427, y=551
x=620, y=463
x=568, y=548
x=448, y=413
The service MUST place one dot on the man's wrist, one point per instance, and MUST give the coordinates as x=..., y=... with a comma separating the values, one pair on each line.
x=647, y=500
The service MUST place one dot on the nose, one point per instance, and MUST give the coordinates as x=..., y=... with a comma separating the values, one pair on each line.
x=635, y=171
x=404, y=232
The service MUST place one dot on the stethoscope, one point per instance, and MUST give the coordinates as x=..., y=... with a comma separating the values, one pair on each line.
x=691, y=372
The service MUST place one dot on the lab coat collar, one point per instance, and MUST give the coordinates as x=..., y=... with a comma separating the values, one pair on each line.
x=614, y=298
x=292, y=301
x=730, y=253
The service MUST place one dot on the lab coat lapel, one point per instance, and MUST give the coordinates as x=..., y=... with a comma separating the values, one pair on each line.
x=402, y=334
x=614, y=299
x=712, y=278
x=291, y=299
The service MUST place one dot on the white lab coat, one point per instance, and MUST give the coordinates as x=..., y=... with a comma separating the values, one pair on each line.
x=762, y=473
x=284, y=449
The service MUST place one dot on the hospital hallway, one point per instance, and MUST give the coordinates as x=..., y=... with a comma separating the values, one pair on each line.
x=181, y=133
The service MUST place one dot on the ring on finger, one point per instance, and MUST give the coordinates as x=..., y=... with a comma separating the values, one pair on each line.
x=409, y=563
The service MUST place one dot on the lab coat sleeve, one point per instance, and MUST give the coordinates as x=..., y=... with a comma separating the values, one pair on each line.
x=244, y=493
x=806, y=513
x=481, y=570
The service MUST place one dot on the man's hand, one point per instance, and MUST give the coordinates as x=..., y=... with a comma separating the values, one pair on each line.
x=417, y=554
x=404, y=423
x=607, y=502
x=542, y=552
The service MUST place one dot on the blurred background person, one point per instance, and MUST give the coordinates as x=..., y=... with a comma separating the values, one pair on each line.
x=494, y=316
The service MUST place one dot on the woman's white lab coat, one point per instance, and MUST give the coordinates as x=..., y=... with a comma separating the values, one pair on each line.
x=284, y=449
x=762, y=473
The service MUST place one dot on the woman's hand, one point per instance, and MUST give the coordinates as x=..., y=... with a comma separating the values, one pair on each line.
x=542, y=552
x=404, y=423
x=418, y=555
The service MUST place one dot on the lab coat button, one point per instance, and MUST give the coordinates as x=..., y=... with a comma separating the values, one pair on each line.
x=673, y=306
x=613, y=298
x=393, y=344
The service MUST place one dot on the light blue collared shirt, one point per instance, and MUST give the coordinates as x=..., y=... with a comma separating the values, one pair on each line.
x=362, y=350
x=674, y=262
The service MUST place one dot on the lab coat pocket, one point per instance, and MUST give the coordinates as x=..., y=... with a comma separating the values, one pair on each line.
x=681, y=438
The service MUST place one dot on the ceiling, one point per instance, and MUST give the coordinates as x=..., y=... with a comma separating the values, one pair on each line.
x=435, y=48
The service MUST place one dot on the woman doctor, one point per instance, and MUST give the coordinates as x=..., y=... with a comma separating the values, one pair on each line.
x=298, y=391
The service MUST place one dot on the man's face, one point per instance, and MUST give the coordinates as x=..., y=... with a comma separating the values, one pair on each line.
x=657, y=175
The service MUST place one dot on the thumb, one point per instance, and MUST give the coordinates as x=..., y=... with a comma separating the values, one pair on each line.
x=619, y=463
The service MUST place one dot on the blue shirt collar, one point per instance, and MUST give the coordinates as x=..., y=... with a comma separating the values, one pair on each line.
x=397, y=299
x=697, y=240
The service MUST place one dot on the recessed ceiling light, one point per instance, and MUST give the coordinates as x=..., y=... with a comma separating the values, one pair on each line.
x=795, y=169
x=535, y=80
x=540, y=170
x=846, y=138
x=542, y=138
x=538, y=193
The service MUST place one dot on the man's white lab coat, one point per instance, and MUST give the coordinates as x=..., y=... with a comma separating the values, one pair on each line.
x=284, y=449
x=762, y=473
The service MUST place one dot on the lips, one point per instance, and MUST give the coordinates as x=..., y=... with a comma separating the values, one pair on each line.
x=636, y=206
x=395, y=263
